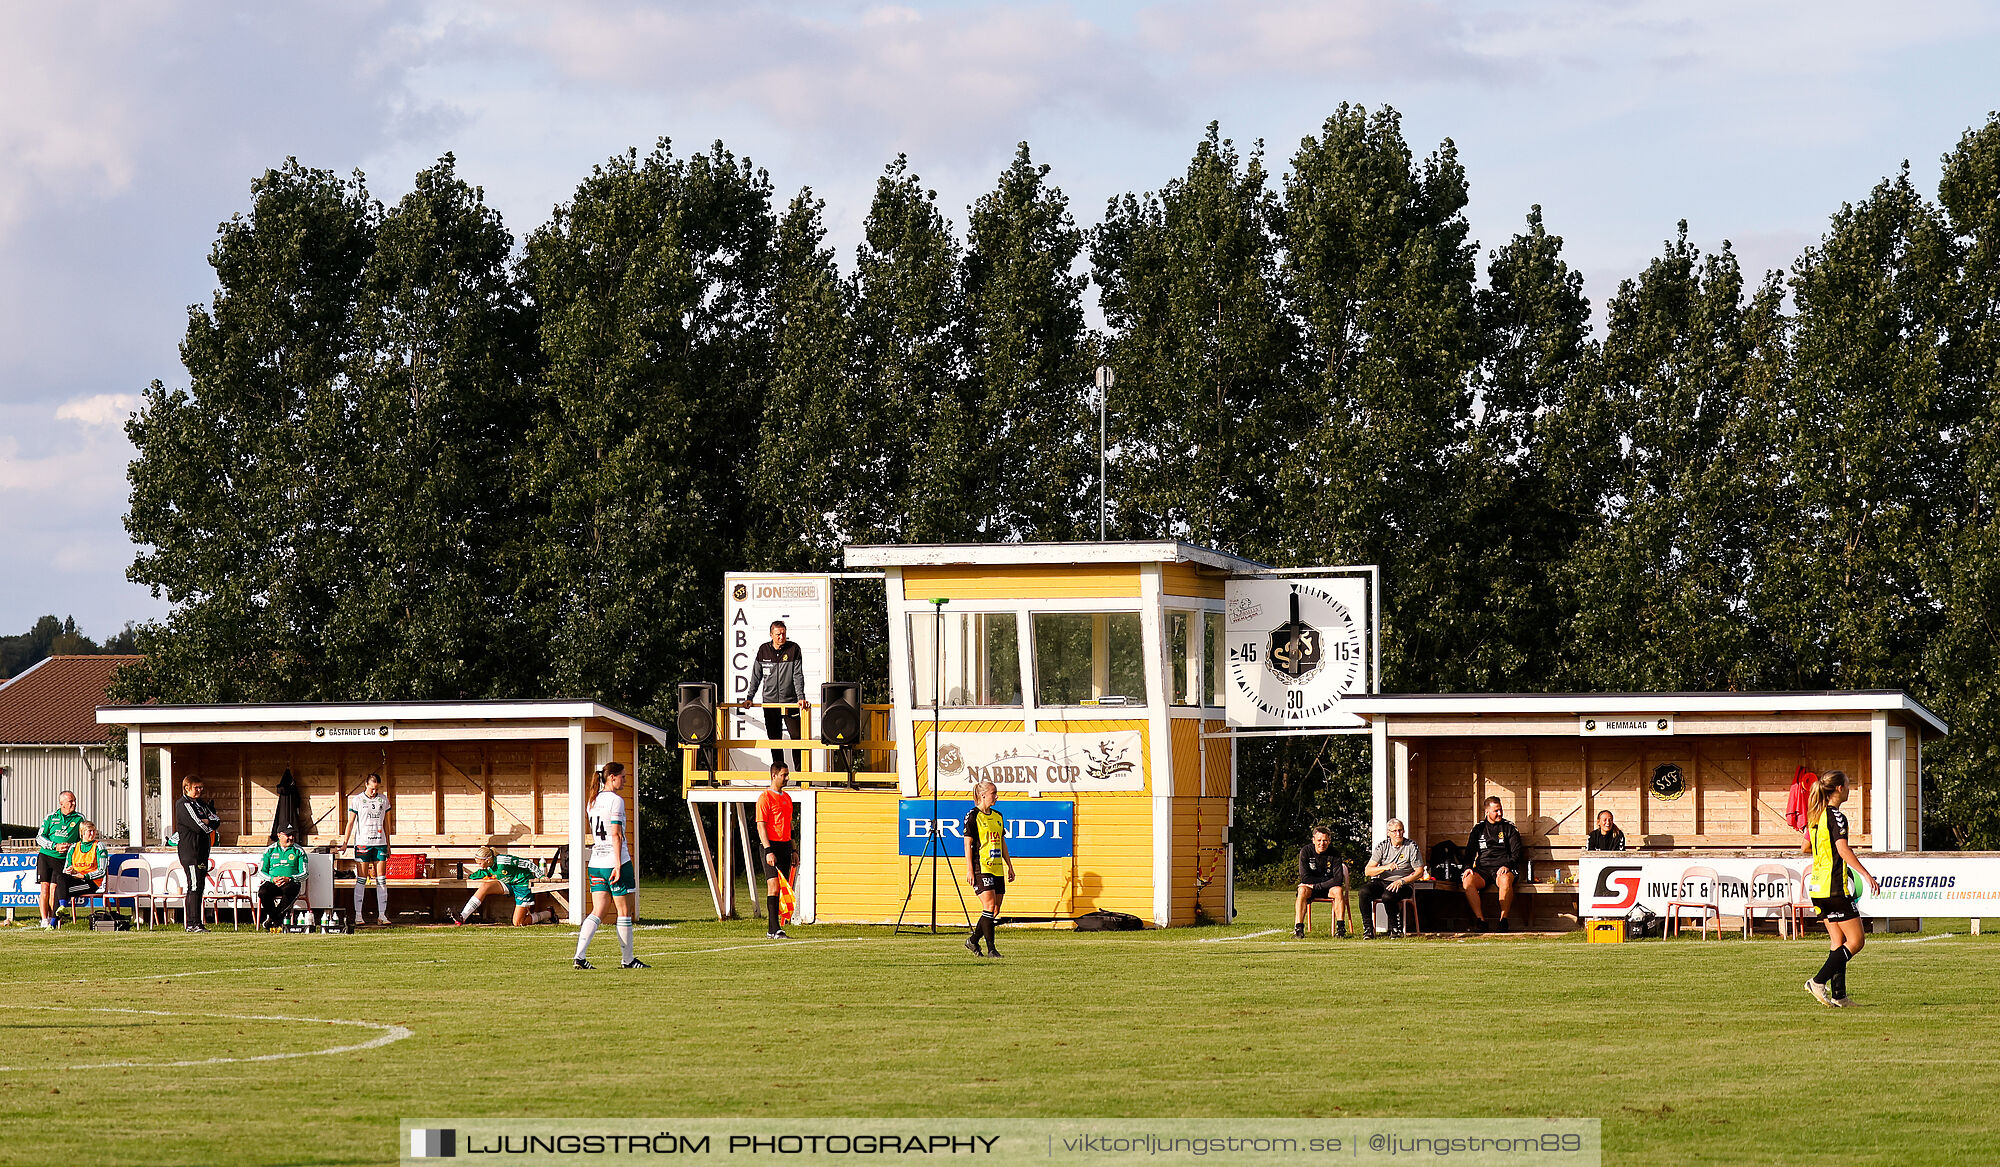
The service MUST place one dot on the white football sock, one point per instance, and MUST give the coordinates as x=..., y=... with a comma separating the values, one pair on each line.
x=625, y=936
x=382, y=898
x=471, y=907
x=360, y=895
x=583, y=937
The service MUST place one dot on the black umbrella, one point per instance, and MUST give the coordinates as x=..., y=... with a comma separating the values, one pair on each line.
x=292, y=814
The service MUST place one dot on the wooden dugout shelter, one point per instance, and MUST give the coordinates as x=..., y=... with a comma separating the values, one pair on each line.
x=1724, y=763
x=516, y=775
x=1061, y=648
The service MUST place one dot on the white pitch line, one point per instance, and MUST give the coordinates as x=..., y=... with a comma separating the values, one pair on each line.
x=770, y=944
x=1921, y=939
x=206, y=972
x=389, y=1034
x=1245, y=936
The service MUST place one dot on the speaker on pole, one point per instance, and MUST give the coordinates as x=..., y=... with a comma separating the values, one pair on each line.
x=840, y=720
x=695, y=725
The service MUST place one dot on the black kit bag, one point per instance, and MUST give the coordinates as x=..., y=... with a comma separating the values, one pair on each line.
x=1447, y=861
x=1101, y=921
x=103, y=920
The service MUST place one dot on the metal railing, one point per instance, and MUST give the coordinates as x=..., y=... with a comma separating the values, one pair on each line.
x=819, y=764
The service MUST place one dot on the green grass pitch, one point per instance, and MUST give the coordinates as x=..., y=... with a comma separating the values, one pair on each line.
x=1689, y=1051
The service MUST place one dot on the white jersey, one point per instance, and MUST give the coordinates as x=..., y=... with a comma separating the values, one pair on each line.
x=606, y=811
x=371, y=816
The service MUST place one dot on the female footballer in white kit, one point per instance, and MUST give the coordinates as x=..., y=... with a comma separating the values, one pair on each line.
x=612, y=875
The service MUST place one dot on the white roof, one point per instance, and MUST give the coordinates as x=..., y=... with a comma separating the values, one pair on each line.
x=373, y=711
x=1562, y=704
x=1011, y=554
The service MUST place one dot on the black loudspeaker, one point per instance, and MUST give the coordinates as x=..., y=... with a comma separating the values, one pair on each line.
x=840, y=713
x=694, y=724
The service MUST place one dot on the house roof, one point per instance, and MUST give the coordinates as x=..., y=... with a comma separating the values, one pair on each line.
x=412, y=711
x=54, y=702
x=1580, y=704
x=1011, y=554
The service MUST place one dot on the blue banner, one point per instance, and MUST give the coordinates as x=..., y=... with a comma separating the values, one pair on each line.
x=18, y=888
x=1035, y=829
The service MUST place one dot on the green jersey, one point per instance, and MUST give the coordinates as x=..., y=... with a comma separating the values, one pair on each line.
x=281, y=861
x=59, y=833
x=510, y=870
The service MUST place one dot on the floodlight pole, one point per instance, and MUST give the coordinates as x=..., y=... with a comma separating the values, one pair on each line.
x=1104, y=380
x=937, y=705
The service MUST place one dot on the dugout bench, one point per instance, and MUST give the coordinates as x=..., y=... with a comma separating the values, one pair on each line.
x=442, y=887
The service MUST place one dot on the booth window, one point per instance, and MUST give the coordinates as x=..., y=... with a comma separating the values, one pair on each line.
x=980, y=664
x=1212, y=652
x=1184, y=656
x=1089, y=658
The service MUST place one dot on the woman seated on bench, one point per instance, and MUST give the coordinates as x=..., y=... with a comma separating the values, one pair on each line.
x=511, y=874
x=83, y=871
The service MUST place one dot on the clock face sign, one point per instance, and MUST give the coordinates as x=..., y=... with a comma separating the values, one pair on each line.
x=1296, y=647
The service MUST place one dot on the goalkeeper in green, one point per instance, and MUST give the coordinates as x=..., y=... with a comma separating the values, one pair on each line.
x=508, y=873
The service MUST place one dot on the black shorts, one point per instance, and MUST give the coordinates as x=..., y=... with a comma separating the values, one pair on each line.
x=782, y=853
x=1324, y=890
x=986, y=881
x=75, y=886
x=1491, y=874
x=1834, y=909
x=48, y=868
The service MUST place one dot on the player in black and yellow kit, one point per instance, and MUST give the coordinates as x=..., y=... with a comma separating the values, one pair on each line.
x=988, y=866
x=1831, y=886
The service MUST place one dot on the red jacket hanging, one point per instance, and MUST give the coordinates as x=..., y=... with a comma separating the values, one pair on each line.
x=1797, y=800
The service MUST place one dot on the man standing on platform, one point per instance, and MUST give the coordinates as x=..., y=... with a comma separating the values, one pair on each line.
x=780, y=670
x=774, y=831
x=59, y=833
x=1496, y=856
x=1392, y=871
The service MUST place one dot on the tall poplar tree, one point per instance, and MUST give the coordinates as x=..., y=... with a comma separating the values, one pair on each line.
x=653, y=286
x=908, y=326
x=1199, y=344
x=242, y=496
x=1029, y=359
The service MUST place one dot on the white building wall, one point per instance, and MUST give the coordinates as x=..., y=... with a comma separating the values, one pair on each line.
x=35, y=775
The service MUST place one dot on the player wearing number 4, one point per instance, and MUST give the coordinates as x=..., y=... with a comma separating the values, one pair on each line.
x=613, y=879
x=368, y=833
x=989, y=867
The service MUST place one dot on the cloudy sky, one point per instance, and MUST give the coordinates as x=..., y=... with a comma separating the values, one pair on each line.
x=128, y=131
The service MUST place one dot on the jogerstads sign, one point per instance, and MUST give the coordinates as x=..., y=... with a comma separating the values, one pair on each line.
x=1046, y=763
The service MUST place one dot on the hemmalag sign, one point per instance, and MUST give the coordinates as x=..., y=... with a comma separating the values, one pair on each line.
x=1298, y=645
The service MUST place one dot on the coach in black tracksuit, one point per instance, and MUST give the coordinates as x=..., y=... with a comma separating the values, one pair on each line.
x=195, y=821
x=1494, y=855
x=780, y=671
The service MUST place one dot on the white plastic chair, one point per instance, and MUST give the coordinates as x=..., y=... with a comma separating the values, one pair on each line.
x=1702, y=909
x=230, y=883
x=1783, y=908
x=128, y=879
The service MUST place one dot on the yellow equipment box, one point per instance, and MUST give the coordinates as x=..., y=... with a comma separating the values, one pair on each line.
x=1605, y=931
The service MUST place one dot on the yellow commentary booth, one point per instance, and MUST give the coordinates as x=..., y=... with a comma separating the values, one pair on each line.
x=1086, y=680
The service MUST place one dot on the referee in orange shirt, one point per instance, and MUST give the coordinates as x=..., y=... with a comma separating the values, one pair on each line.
x=774, y=830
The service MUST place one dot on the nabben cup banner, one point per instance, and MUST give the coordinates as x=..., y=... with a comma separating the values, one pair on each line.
x=1046, y=763
x=1611, y=883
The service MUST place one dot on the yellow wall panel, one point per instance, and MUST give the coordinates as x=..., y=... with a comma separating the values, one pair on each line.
x=1185, y=579
x=1022, y=582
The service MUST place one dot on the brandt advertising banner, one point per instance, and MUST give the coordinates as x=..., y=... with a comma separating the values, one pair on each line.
x=1043, y=763
x=1035, y=829
x=1610, y=884
x=750, y=602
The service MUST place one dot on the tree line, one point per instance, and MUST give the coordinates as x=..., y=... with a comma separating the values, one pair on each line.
x=49, y=637
x=419, y=458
